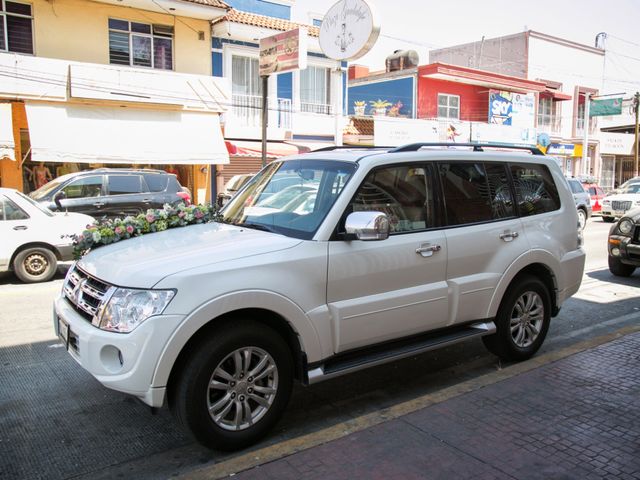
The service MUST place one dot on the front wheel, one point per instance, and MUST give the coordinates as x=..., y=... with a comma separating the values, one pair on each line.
x=620, y=269
x=234, y=387
x=582, y=218
x=522, y=321
x=36, y=264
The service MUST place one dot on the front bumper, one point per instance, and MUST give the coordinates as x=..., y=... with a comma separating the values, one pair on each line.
x=124, y=362
x=627, y=251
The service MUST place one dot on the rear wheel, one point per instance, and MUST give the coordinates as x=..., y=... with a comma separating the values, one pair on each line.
x=522, y=321
x=234, y=387
x=620, y=269
x=37, y=264
x=582, y=218
x=608, y=219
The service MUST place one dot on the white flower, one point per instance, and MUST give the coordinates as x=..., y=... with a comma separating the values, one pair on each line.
x=96, y=236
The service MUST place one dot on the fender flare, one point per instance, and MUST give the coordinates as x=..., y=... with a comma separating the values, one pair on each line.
x=228, y=303
x=540, y=257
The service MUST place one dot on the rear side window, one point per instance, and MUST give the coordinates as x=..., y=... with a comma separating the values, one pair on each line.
x=11, y=211
x=576, y=187
x=403, y=192
x=123, y=184
x=535, y=190
x=157, y=183
x=475, y=192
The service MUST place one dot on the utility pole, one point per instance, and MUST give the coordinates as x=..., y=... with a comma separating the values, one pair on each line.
x=636, y=107
x=585, y=141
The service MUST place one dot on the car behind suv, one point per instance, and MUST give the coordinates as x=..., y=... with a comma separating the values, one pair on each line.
x=111, y=192
x=624, y=244
x=582, y=199
x=395, y=252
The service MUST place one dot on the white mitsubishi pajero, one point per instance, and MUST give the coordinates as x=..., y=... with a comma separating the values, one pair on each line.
x=324, y=264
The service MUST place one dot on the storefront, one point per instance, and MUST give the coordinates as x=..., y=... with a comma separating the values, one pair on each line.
x=617, y=159
x=564, y=155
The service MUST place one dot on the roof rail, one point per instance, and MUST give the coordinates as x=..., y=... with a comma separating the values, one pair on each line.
x=477, y=147
x=349, y=147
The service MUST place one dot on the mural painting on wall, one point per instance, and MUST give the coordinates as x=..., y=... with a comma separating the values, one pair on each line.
x=512, y=109
x=392, y=98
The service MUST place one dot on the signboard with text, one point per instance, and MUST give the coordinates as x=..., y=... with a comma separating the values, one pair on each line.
x=283, y=52
x=513, y=109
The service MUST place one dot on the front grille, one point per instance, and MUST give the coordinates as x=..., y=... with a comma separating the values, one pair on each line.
x=86, y=293
x=636, y=234
x=618, y=205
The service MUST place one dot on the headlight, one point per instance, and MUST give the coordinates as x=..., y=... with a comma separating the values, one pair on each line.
x=127, y=308
x=625, y=226
x=606, y=202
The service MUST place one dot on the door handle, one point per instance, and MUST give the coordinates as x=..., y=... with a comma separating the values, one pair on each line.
x=20, y=227
x=508, y=236
x=98, y=204
x=428, y=250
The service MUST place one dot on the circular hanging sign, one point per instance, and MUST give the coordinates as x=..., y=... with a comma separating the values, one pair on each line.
x=349, y=30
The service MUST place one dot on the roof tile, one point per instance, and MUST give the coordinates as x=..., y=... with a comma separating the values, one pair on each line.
x=273, y=23
x=210, y=3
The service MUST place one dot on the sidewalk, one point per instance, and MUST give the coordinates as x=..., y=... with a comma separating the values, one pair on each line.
x=575, y=418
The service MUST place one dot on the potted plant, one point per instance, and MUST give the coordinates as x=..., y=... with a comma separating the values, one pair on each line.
x=359, y=107
x=380, y=106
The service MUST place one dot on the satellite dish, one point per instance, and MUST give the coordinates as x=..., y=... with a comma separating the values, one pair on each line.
x=348, y=30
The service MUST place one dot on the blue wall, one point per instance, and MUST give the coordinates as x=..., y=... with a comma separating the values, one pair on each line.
x=285, y=85
x=261, y=8
x=394, y=91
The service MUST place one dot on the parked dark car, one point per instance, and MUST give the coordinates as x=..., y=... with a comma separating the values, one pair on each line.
x=111, y=192
x=582, y=199
x=624, y=244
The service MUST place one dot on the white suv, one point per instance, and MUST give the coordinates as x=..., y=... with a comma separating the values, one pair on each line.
x=387, y=253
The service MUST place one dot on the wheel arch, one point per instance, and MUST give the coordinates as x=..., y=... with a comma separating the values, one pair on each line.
x=539, y=269
x=25, y=246
x=272, y=310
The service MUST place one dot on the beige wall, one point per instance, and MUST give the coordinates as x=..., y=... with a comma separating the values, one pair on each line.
x=77, y=30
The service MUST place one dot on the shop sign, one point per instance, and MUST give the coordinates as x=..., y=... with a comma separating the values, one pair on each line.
x=561, y=149
x=608, y=106
x=616, y=143
x=513, y=109
x=283, y=52
x=348, y=30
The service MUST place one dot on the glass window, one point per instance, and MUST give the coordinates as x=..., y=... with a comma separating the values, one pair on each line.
x=244, y=76
x=545, y=111
x=466, y=191
x=10, y=211
x=123, y=184
x=156, y=183
x=84, y=187
x=448, y=106
x=314, y=90
x=140, y=44
x=16, y=27
x=576, y=186
x=403, y=193
x=535, y=190
x=289, y=197
x=499, y=191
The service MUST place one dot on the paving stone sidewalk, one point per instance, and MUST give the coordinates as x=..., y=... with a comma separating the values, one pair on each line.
x=577, y=418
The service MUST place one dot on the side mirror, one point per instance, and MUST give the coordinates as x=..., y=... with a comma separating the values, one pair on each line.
x=367, y=226
x=58, y=197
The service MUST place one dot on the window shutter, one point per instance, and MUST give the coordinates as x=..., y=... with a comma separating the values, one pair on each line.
x=19, y=32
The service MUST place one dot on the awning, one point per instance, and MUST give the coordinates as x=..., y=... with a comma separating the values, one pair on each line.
x=253, y=148
x=117, y=135
x=556, y=94
x=7, y=145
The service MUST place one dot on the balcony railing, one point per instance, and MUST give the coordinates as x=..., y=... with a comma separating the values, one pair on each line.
x=553, y=125
x=580, y=126
x=320, y=108
x=247, y=111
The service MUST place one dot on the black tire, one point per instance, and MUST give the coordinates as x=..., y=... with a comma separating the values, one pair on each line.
x=190, y=396
x=620, y=269
x=502, y=342
x=582, y=218
x=37, y=264
x=608, y=219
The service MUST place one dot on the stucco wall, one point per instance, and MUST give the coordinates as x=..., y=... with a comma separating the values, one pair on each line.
x=78, y=30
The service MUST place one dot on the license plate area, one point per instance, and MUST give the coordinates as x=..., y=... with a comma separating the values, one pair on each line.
x=63, y=332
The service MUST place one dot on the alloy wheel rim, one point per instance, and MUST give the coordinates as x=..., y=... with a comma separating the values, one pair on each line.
x=582, y=219
x=527, y=317
x=242, y=388
x=36, y=264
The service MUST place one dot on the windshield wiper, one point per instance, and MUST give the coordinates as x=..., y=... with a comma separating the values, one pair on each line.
x=256, y=226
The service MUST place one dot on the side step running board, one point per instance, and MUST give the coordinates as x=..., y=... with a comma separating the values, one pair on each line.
x=351, y=362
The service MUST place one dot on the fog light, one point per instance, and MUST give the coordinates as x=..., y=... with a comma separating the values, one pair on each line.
x=615, y=252
x=111, y=358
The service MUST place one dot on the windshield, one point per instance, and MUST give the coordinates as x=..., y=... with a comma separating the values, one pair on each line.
x=44, y=190
x=289, y=197
x=633, y=188
x=39, y=206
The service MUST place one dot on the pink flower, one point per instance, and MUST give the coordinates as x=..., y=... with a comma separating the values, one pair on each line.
x=181, y=214
x=150, y=217
x=199, y=214
x=129, y=229
x=118, y=230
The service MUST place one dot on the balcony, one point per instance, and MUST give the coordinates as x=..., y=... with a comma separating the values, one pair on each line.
x=552, y=126
x=580, y=127
x=246, y=111
x=319, y=108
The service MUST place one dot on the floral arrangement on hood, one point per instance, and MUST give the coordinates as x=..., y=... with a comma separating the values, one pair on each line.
x=104, y=232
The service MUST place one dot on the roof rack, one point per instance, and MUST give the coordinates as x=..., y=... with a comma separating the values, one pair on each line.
x=477, y=147
x=350, y=147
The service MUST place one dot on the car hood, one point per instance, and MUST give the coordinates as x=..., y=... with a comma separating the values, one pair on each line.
x=144, y=261
x=71, y=223
x=623, y=197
